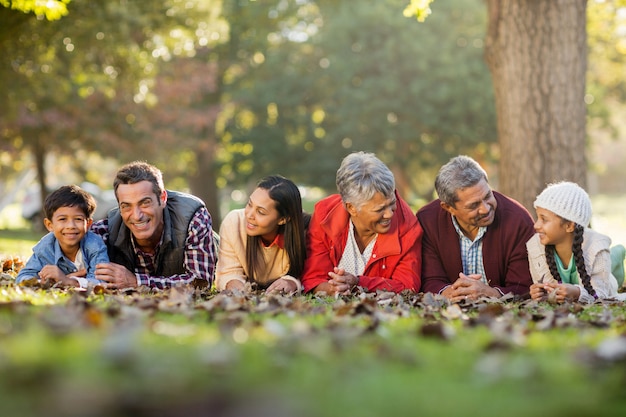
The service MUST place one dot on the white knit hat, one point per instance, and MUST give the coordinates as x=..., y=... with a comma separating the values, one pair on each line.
x=567, y=200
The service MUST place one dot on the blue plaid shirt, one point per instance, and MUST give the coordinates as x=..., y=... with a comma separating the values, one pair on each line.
x=200, y=254
x=472, y=252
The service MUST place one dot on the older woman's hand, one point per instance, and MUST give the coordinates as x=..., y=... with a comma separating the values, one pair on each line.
x=341, y=281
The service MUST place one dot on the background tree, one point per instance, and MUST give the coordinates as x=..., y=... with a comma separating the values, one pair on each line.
x=75, y=82
x=349, y=81
x=537, y=53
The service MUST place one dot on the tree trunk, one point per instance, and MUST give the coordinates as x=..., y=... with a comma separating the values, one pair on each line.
x=39, y=154
x=537, y=53
x=203, y=182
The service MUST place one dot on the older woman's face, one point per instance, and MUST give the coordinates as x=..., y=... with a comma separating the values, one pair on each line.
x=374, y=216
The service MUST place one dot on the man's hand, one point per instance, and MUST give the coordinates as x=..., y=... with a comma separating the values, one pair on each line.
x=469, y=287
x=115, y=276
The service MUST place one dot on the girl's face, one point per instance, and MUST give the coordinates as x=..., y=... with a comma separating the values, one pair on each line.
x=552, y=229
x=262, y=217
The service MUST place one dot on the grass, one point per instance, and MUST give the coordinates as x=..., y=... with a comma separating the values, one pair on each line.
x=18, y=242
x=123, y=353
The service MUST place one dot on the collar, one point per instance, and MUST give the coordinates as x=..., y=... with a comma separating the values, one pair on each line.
x=279, y=241
x=479, y=235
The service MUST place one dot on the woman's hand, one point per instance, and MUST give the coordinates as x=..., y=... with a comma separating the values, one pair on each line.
x=235, y=285
x=341, y=281
x=282, y=285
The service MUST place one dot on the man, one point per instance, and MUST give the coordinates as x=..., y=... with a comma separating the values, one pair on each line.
x=474, y=242
x=155, y=237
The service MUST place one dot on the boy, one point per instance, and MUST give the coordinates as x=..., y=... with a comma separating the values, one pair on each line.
x=69, y=253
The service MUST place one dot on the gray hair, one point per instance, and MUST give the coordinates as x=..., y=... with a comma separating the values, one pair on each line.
x=459, y=173
x=361, y=175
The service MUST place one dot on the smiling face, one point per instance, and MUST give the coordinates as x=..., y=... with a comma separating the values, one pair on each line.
x=262, y=217
x=552, y=229
x=475, y=208
x=142, y=212
x=374, y=216
x=69, y=225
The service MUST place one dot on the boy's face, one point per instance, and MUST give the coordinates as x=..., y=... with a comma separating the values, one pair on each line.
x=69, y=225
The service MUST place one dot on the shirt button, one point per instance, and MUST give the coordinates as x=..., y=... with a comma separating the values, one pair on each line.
x=373, y=255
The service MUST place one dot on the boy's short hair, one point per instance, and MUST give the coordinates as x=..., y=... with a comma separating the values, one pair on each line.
x=69, y=196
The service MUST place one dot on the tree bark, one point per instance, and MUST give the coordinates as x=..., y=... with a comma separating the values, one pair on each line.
x=537, y=54
x=203, y=182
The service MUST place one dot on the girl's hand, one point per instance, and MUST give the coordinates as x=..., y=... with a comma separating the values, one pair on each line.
x=538, y=292
x=560, y=293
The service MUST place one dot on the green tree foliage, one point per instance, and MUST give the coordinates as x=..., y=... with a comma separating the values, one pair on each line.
x=50, y=9
x=75, y=82
x=267, y=84
x=606, y=30
x=369, y=79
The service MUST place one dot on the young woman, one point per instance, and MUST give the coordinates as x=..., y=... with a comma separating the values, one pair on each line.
x=568, y=261
x=264, y=243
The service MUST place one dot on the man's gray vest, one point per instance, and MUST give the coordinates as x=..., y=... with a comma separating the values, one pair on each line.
x=177, y=215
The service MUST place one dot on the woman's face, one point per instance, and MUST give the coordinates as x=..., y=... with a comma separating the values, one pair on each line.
x=374, y=216
x=262, y=217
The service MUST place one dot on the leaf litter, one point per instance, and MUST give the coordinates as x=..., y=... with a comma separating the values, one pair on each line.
x=303, y=325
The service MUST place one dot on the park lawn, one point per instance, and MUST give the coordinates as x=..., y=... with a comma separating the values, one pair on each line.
x=190, y=351
x=18, y=242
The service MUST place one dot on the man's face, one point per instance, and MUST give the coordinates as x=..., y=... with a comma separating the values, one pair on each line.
x=142, y=212
x=476, y=207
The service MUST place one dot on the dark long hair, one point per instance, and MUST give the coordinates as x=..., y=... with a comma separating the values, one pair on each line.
x=289, y=205
x=577, y=250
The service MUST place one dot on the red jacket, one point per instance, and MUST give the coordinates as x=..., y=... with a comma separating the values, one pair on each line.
x=396, y=259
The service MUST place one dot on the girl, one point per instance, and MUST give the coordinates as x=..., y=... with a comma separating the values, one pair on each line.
x=265, y=242
x=568, y=261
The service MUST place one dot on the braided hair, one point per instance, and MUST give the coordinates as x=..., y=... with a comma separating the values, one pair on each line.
x=578, y=258
x=577, y=248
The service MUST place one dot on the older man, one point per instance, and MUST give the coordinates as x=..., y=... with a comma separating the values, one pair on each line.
x=474, y=242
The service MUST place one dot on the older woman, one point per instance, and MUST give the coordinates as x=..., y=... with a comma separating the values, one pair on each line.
x=364, y=236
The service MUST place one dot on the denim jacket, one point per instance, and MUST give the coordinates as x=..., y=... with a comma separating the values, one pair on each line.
x=48, y=252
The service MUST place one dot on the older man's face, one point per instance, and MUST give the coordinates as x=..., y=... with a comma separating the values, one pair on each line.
x=476, y=207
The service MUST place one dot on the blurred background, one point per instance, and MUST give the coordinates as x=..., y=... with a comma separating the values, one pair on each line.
x=221, y=93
